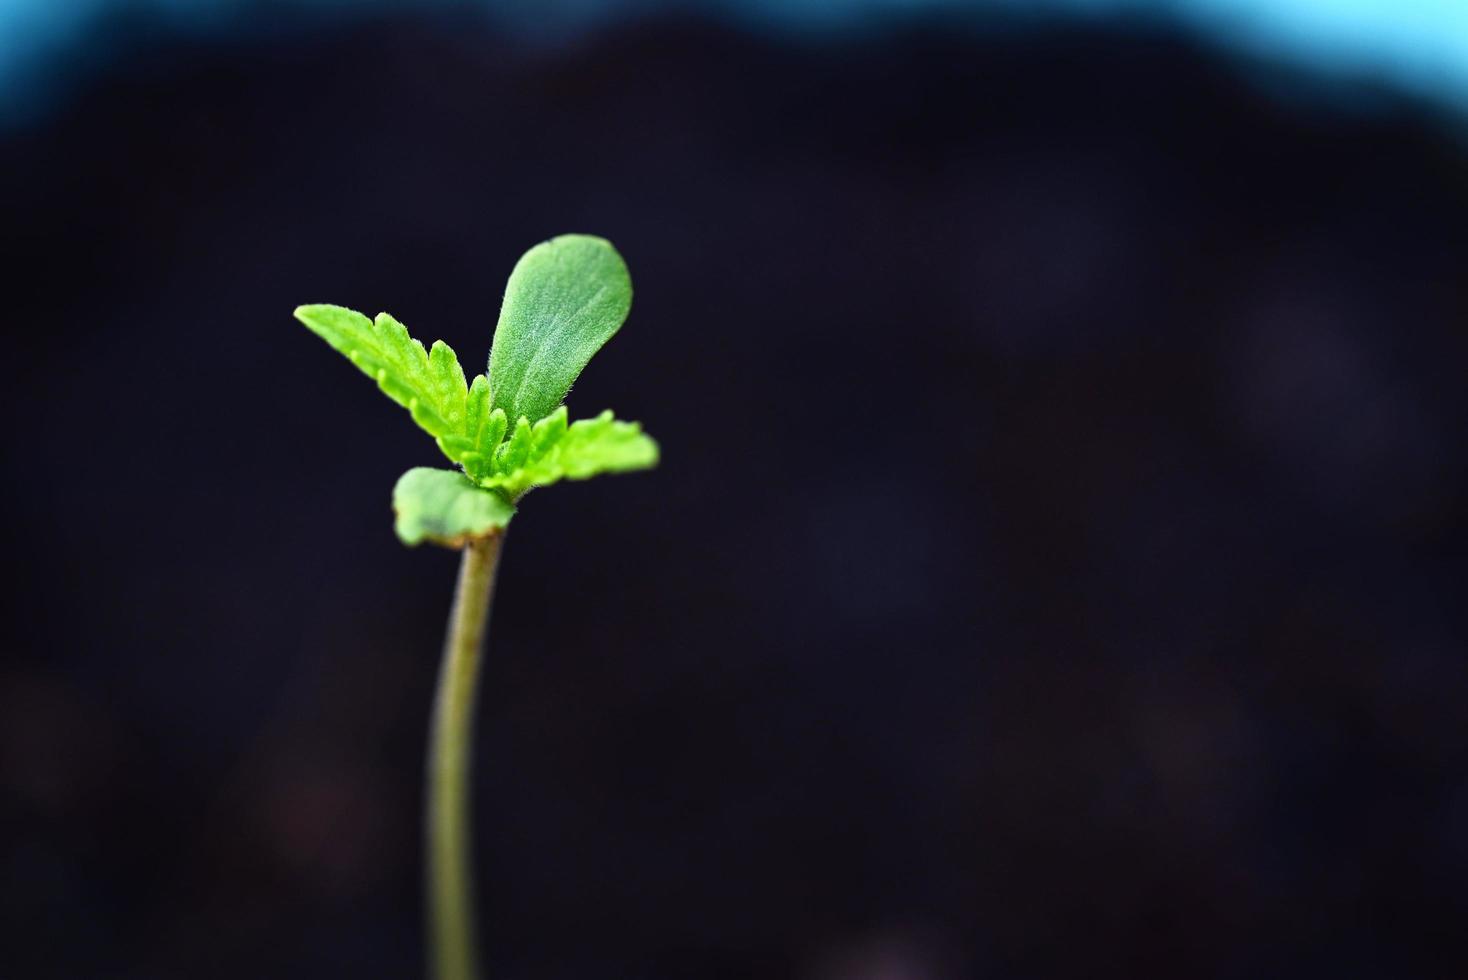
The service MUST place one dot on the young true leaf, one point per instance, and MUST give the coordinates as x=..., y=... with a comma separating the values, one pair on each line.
x=516, y=450
x=444, y=507
x=483, y=430
x=564, y=300
x=431, y=386
x=583, y=450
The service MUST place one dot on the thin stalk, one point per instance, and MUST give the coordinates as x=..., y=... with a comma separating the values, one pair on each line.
x=450, y=885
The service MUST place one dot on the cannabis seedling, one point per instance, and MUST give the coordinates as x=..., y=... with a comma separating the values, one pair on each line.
x=508, y=432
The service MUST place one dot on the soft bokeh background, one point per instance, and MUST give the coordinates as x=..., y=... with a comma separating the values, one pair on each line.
x=1058, y=565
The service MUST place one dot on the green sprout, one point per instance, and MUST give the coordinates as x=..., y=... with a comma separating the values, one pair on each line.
x=509, y=433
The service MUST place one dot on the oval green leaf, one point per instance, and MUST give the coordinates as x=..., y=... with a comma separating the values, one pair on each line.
x=565, y=299
x=446, y=508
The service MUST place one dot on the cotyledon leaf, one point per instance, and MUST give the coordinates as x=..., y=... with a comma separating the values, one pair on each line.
x=565, y=299
x=446, y=508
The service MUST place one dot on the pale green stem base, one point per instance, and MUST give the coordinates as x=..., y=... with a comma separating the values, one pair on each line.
x=452, y=948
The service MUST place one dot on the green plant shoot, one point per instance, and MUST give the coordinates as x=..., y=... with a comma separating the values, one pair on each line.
x=507, y=430
x=509, y=433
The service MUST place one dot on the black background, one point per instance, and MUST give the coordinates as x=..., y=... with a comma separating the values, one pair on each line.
x=1056, y=567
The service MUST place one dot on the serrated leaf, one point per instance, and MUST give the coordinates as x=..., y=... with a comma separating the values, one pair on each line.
x=565, y=299
x=447, y=379
x=430, y=386
x=476, y=410
x=516, y=451
x=547, y=432
x=483, y=430
x=446, y=508
x=582, y=450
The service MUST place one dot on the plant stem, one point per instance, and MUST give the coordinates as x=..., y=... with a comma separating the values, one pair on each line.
x=450, y=884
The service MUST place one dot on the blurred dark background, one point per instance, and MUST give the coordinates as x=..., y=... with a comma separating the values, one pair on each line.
x=1056, y=568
